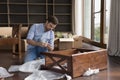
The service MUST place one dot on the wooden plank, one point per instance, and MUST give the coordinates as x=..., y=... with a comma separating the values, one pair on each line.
x=8, y=41
x=86, y=40
x=93, y=60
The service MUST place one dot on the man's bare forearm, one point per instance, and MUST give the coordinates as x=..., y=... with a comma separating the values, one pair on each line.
x=34, y=43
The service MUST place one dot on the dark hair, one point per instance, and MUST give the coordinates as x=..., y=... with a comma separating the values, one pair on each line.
x=53, y=20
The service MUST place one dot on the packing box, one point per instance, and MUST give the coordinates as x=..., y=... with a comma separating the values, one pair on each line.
x=64, y=43
x=77, y=42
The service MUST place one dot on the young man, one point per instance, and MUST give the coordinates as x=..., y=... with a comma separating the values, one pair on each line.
x=40, y=38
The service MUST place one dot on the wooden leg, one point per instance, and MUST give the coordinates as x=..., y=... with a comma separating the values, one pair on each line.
x=19, y=50
x=13, y=49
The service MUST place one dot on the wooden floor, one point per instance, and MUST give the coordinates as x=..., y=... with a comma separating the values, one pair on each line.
x=112, y=73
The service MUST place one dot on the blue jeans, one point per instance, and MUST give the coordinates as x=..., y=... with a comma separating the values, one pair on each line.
x=34, y=53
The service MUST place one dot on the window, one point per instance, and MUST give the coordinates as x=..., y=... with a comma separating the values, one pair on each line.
x=96, y=20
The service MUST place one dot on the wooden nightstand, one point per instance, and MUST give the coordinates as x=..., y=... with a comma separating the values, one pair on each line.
x=14, y=40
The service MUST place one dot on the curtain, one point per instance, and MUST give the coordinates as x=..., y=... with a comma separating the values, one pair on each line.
x=77, y=17
x=114, y=31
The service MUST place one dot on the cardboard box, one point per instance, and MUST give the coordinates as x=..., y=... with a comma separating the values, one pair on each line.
x=65, y=43
x=77, y=42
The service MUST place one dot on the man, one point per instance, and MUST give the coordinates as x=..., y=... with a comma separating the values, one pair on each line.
x=40, y=38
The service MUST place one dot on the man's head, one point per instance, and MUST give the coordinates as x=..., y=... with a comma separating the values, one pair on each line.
x=53, y=20
x=51, y=23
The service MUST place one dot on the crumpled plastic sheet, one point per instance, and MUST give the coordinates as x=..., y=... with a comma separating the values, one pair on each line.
x=14, y=68
x=46, y=75
x=30, y=66
x=4, y=73
x=90, y=72
x=34, y=66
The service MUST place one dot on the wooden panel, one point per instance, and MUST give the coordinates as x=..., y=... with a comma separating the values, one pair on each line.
x=94, y=59
x=86, y=40
x=8, y=41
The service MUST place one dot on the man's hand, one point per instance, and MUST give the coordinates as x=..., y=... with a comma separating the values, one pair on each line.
x=50, y=48
x=47, y=45
x=44, y=44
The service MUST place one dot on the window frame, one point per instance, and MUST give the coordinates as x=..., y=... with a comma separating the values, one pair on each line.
x=102, y=20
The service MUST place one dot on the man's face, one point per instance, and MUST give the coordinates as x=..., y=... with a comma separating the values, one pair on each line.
x=50, y=26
